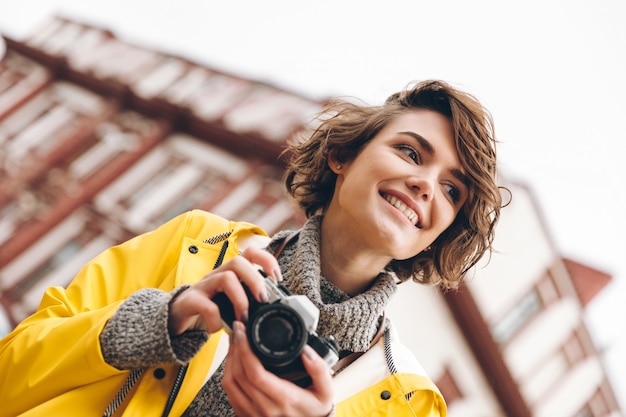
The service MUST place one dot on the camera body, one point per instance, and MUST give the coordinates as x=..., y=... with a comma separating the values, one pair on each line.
x=279, y=329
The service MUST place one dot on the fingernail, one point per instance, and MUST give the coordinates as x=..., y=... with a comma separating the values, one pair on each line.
x=244, y=317
x=265, y=298
x=308, y=352
x=278, y=275
x=237, y=331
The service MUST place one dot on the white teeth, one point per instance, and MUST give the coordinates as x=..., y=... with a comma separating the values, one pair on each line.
x=410, y=214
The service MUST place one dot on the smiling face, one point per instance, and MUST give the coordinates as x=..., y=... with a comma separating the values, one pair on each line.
x=404, y=188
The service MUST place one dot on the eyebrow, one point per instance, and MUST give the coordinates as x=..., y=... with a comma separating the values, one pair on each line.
x=428, y=147
x=424, y=143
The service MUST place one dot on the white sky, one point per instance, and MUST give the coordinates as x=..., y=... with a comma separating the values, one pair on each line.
x=553, y=74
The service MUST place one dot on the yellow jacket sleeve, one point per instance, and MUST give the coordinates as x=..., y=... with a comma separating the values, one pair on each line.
x=57, y=348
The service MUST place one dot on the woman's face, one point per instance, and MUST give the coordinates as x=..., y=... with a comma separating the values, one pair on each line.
x=404, y=188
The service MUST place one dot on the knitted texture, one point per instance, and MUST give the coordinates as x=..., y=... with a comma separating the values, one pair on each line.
x=352, y=321
x=137, y=335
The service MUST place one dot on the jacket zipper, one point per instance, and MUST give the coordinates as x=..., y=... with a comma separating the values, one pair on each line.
x=178, y=382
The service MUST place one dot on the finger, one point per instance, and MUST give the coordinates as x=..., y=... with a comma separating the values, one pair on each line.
x=319, y=372
x=229, y=283
x=241, y=403
x=197, y=302
x=188, y=307
x=237, y=397
x=272, y=394
x=228, y=280
x=235, y=380
x=245, y=270
x=250, y=373
x=196, y=308
x=265, y=260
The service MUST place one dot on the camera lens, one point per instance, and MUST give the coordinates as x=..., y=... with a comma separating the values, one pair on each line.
x=277, y=334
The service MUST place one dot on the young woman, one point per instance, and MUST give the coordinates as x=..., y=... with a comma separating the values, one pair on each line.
x=405, y=190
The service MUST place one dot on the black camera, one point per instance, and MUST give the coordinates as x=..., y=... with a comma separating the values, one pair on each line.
x=279, y=329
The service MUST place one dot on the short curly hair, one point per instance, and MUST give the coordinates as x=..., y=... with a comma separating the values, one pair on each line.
x=344, y=128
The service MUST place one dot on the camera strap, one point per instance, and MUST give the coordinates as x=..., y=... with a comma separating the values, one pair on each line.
x=352, y=356
x=284, y=242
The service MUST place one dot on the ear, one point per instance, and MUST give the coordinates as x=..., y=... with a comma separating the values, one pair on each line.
x=334, y=165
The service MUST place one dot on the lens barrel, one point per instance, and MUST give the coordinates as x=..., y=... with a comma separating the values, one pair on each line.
x=277, y=334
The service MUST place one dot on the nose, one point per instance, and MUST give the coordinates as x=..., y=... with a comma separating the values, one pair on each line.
x=423, y=187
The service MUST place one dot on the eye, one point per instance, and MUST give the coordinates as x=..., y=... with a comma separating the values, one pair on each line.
x=453, y=192
x=411, y=152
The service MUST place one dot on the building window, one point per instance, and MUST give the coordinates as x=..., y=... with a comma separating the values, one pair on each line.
x=20, y=77
x=521, y=313
x=180, y=174
x=574, y=350
x=60, y=257
x=598, y=403
x=270, y=193
x=548, y=291
x=597, y=406
x=545, y=293
x=191, y=200
x=585, y=412
x=448, y=387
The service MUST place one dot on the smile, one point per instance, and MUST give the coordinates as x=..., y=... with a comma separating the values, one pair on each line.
x=409, y=213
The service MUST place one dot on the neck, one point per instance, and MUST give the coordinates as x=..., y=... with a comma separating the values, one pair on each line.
x=347, y=262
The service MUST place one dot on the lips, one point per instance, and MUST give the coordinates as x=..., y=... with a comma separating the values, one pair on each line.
x=410, y=214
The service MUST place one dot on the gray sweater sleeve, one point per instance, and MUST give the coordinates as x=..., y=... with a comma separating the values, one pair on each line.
x=137, y=335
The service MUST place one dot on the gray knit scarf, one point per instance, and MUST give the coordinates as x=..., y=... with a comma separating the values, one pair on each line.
x=353, y=321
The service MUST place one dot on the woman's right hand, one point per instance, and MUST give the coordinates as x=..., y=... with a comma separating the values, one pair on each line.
x=254, y=391
x=193, y=308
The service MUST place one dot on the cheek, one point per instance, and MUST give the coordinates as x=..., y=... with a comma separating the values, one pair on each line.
x=444, y=218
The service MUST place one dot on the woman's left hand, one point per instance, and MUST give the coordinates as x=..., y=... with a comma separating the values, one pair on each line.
x=254, y=391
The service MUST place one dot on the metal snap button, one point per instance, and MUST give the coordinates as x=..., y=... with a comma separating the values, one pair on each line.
x=159, y=373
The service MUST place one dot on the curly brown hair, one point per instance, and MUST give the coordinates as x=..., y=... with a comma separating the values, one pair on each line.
x=344, y=128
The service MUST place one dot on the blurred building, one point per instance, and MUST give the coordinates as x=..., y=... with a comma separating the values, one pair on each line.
x=101, y=140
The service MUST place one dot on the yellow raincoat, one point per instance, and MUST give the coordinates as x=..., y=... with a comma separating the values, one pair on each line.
x=51, y=364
